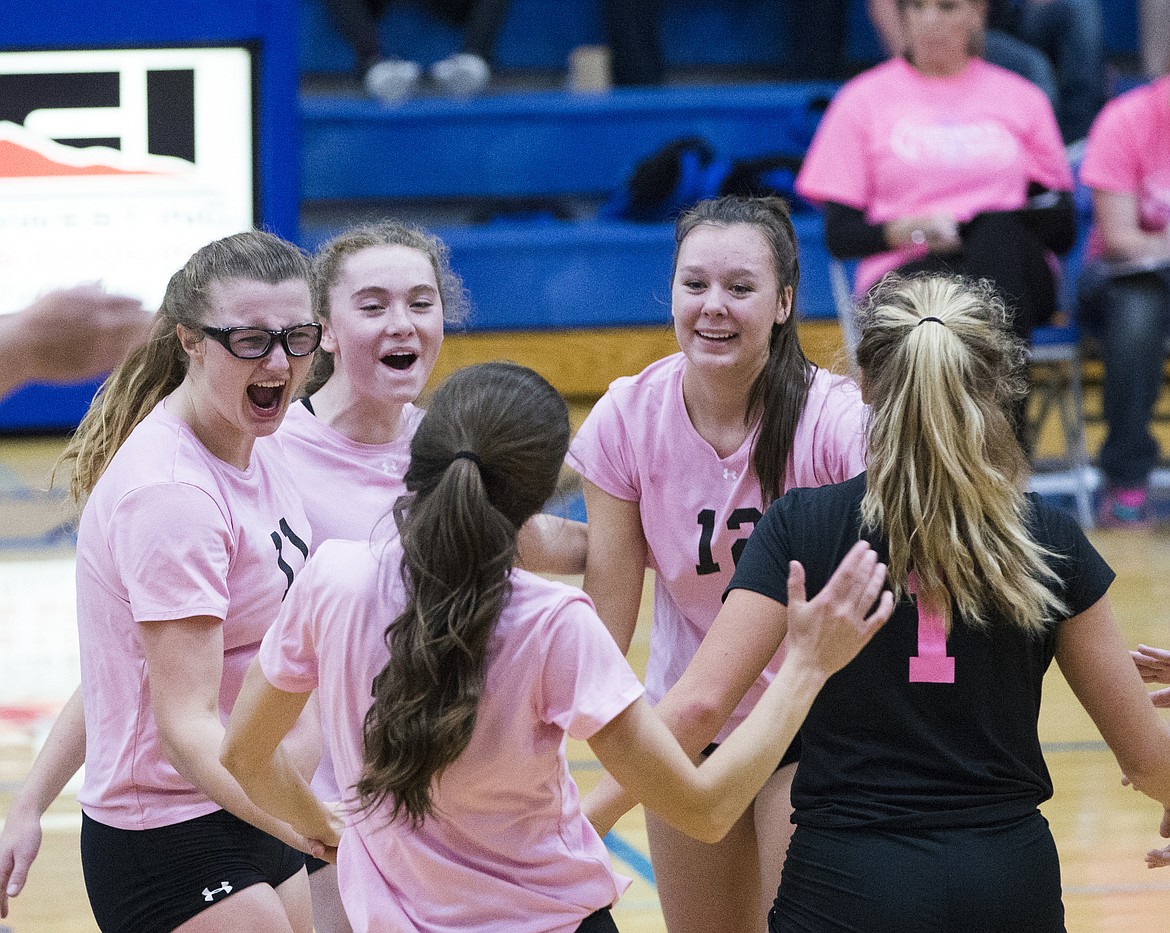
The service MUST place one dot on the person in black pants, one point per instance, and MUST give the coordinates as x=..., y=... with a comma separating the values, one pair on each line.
x=390, y=79
x=816, y=31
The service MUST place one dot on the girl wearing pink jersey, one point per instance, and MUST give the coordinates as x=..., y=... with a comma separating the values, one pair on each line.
x=190, y=538
x=679, y=463
x=464, y=815
x=940, y=161
x=383, y=293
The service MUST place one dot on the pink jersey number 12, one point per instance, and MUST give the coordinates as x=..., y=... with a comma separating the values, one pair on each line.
x=932, y=665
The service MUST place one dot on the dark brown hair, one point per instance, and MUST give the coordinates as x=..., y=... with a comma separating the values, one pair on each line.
x=484, y=460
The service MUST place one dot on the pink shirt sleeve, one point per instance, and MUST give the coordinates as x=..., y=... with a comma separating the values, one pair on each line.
x=585, y=681
x=601, y=452
x=1047, y=163
x=1111, y=160
x=837, y=165
x=172, y=546
x=288, y=653
x=840, y=439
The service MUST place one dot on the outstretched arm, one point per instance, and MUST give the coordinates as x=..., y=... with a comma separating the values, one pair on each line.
x=69, y=335
x=60, y=758
x=251, y=751
x=823, y=636
x=616, y=566
x=185, y=663
x=1094, y=660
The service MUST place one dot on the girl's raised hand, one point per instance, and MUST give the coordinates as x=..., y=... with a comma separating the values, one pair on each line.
x=833, y=627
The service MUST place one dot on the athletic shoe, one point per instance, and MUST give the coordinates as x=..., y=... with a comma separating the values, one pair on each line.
x=392, y=80
x=462, y=74
x=1124, y=508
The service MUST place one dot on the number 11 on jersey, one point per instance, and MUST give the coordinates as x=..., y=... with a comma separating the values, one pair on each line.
x=932, y=665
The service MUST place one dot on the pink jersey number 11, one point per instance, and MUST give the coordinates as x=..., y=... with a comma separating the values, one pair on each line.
x=931, y=666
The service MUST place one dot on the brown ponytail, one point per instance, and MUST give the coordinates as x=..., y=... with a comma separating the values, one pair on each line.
x=485, y=458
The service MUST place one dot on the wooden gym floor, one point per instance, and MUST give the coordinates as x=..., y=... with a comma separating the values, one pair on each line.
x=1101, y=828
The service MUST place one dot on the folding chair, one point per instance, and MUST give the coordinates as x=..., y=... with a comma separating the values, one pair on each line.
x=1057, y=388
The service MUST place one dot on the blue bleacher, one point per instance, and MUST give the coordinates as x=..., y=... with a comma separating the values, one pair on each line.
x=572, y=274
x=539, y=34
x=540, y=273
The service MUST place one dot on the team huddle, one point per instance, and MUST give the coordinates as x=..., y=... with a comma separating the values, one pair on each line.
x=325, y=685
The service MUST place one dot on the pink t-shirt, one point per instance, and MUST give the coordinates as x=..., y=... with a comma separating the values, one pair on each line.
x=896, y=143
x=508, y=849
x=169, y=532
x=348, y=488
x=1128, y=151
x=639, y=444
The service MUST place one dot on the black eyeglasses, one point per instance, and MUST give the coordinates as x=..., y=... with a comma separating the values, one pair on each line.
x=254, y=343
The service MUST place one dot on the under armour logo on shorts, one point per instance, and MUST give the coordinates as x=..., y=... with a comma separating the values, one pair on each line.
x=209, y=893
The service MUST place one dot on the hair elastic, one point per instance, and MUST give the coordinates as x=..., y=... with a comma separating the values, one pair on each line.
x=467, y=455
x=936, y=320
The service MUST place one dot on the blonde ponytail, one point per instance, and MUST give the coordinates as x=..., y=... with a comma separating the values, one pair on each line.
x=941, y=370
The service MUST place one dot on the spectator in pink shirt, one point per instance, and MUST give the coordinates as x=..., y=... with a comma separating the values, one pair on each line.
x=939, y=161
x=1125, y=290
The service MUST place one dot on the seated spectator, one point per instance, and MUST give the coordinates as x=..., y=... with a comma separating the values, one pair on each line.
x=1056, y=44
x=1125, y=291
x=816, y=31
x=1155, y=36
x=69, y=335
x=390, y=79
x=940, y=162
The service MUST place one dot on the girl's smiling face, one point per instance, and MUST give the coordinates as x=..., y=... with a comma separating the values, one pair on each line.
x=386, y=323
x=725, y=298
x=239, y=400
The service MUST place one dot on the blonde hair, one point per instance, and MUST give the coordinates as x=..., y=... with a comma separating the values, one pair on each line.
x=941, y=371
x=330, y=258
x=157, y=368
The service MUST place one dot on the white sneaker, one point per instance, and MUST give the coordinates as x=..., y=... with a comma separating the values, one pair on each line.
x=392, y=80
x=462, y=74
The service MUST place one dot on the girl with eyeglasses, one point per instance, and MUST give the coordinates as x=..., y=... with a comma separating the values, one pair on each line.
x=191, y=534
x=462, y=813
x=383, y=293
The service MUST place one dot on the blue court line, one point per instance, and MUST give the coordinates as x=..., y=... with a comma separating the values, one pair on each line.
x=621, y=849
